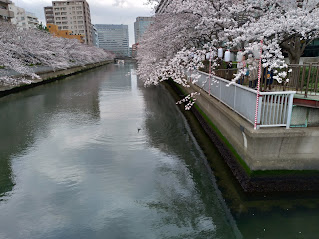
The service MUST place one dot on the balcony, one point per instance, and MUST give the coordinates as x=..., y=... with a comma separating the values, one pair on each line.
x=6, y=13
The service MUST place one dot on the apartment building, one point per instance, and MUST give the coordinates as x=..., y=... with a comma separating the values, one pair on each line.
x=72, y=15
x=23, y=19
x=140, y=26
x=5, y=13
x=49, y=15
x=113, y=38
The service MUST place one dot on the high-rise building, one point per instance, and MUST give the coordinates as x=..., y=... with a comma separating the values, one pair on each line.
x=23, y=19
x=5, y=13
x=72, y=15
x=95, y=36
x=140, y=26
x=113, y=38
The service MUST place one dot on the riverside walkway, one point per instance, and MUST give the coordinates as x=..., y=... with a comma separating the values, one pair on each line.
x=275, y=146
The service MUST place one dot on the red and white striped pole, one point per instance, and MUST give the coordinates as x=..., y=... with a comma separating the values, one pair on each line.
x=258, y=85
x=210, y=71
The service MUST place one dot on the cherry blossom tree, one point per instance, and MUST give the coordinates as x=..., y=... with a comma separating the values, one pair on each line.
x=181, y=37
x=20, y=49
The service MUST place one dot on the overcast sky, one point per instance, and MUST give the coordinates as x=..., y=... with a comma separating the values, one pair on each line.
x=102, y=11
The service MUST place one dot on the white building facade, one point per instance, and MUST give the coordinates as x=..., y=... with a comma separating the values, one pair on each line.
x=72, y=15
x=23, y=19
x=113, y=38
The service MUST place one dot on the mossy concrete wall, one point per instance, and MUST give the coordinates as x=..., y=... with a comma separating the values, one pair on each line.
x=266, y=148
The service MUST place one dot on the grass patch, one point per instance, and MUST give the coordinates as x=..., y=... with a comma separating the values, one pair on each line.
x=225, y=141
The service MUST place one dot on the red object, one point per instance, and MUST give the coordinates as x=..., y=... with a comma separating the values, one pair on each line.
x=258, y=85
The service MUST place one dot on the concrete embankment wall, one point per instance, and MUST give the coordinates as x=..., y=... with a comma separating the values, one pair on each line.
x=49, y=76
x=266, y=148
x=264, y=160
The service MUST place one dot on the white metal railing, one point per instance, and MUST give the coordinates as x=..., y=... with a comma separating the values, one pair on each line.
x=274, y=109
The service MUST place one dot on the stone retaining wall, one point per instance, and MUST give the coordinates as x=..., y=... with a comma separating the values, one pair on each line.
x=49, y=76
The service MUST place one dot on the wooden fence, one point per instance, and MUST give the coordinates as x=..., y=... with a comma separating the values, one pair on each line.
x=304, y=79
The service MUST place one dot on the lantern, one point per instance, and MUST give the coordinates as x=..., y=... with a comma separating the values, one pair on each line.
x=208, y=55
x=220, y=52
x=256, y=52
x=227, y=56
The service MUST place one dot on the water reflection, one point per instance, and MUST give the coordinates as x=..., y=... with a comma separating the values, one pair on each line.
x=26, y=116
x=82, y=168
x=191, y=203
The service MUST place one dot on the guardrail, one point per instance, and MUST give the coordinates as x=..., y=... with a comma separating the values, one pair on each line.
x=274, y=108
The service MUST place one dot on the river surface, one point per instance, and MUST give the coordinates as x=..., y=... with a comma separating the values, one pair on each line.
x=97, y=155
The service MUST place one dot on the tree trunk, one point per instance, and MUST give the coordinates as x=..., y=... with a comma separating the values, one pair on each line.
x=294, y=59
x=294, y=48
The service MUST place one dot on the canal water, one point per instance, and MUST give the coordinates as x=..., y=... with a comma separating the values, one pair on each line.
x=97, y=155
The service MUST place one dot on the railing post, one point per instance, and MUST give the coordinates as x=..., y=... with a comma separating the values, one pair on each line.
x=290, y=102
x=220, y=92
x=309, y=75
x=260, y=102
x=235, y=95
